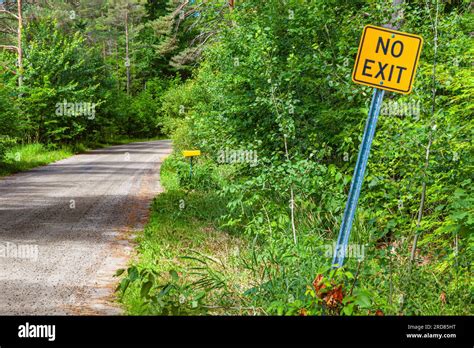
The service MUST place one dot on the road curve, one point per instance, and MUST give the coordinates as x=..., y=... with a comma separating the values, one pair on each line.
x=65, y=228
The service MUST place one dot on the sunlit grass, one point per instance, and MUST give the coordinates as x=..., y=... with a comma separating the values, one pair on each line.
x=24, y=157
x=186, y=223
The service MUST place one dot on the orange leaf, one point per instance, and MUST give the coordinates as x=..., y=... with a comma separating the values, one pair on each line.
x=319, y=284
x=334, y=297
x=442, y=297
x=303, y=312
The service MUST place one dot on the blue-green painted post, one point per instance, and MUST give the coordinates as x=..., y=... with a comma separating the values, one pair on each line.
x=357, y=179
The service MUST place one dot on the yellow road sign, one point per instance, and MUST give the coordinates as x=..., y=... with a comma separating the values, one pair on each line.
x=191, y=153
x=387, y=59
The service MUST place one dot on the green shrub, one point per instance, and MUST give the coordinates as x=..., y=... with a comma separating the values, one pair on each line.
x=6, y=143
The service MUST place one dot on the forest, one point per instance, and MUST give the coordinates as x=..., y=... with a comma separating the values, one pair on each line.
x=263, y=89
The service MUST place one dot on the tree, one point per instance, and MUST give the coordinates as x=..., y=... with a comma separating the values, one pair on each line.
x=126, y=15
x=62, y=93
x=187, y=28
x=8, y=30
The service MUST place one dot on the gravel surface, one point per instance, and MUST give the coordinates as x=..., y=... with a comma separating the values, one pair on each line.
x=67, y=227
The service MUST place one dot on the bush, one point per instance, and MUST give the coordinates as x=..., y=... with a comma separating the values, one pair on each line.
x=205, y=173
x=6, y=143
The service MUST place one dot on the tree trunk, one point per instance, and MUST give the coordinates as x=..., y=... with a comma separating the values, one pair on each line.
x=20, y=50
x=430, y=137
x=127, y=57
x=117, y=68
x=397, y=15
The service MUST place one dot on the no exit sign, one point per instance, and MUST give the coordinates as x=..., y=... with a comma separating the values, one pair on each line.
x=387, y=59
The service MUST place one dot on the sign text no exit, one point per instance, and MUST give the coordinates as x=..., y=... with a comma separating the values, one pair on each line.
x=387, y=59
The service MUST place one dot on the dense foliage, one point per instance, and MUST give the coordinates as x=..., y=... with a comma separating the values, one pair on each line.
x=277, y=84
x=264, y=90
x=71, y=85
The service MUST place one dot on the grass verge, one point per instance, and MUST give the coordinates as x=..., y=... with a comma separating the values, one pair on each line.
x=24, y=157
x=182, y=255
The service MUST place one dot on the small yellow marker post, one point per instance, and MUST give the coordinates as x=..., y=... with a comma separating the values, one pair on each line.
x=191, y=154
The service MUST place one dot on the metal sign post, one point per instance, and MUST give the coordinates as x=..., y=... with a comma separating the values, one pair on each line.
x=358, y=178
x=387, y=60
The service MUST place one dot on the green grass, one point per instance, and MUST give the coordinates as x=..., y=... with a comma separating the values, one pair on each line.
x=24, y=157
x=183, y=227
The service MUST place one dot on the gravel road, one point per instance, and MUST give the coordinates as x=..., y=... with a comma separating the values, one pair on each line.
x=65, y=228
